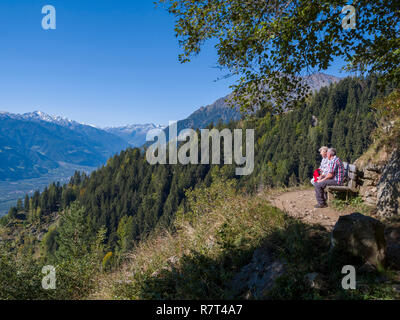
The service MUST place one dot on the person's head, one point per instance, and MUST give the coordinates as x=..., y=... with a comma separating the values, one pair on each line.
x=331, y=153
x=323, y=151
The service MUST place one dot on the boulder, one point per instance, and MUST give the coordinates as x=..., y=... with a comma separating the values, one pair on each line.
x=258, y=277
x=362, y=237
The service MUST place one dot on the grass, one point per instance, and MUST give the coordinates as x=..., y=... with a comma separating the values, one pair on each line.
x=354, y=203
x=216, y=235
x=214, y=239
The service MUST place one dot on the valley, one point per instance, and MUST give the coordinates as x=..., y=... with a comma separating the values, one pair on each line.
x=11, y=191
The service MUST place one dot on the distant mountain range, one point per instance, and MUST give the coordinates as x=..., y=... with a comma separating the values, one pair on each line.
x=31, y=144
x=134, y=134
x=220, y=111
x=318, y=80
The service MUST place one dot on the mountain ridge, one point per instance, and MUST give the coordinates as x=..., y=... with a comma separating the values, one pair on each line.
x=32, y=143
x=220, y=111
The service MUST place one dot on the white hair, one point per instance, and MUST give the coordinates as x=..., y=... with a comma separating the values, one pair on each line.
x=332, y=151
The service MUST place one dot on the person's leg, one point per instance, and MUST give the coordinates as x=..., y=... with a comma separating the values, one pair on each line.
x=320, y=190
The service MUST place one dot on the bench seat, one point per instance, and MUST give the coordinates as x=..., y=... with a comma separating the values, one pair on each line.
x=350, y=184
x=339, y=188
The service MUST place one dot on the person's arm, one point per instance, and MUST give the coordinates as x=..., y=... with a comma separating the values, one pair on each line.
x=328, y=176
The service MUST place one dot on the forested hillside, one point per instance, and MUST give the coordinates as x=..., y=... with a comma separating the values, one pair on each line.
x=129, y=197
x=339, y=116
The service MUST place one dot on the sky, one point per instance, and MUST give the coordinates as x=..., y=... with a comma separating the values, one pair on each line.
x=107, y=63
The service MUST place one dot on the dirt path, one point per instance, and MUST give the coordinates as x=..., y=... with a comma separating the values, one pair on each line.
x=300, y=204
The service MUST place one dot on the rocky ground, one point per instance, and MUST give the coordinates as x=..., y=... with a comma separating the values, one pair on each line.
x=260, y=274
x=300, y=204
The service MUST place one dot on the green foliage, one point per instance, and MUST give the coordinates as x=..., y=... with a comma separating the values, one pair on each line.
x=354, y=202
x=268, y=44
x=107, y=260
x=388, y=113
x=20, y=277
x=389, y=106
x=73, y=238
x=4, y=220
x=75, y=254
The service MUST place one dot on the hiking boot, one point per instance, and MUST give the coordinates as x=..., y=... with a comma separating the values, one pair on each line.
x=320, y=206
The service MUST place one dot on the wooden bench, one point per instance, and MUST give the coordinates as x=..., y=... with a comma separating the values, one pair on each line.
x=350, y=184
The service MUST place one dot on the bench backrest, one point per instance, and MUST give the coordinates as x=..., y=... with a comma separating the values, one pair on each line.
x=351, y=174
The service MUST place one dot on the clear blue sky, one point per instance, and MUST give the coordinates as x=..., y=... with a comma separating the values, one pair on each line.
x=108, y=63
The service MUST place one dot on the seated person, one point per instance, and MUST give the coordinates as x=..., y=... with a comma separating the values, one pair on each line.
x=324, y=167
x=333, y=178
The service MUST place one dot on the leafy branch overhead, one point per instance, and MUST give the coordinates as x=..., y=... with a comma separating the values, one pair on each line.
x=270, y=44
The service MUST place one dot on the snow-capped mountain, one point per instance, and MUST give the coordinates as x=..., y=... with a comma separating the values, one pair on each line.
x=33, y=143
x=39, y=115
x=42, y=116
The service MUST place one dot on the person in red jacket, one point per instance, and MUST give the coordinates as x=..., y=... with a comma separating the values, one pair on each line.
x=323, y=169
x=316, y=174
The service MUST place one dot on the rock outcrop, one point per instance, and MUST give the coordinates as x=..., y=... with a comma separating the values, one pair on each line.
x=388, y=188
x=380, y=181
x=370, y=177
x=362, y=237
